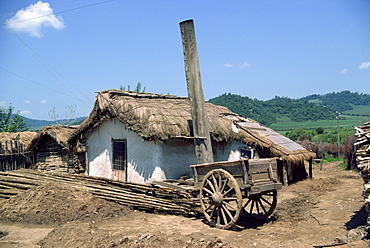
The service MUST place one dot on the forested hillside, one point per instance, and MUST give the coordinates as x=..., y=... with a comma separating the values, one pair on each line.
x=339, y=101
x=35, y=125
x=268, y=112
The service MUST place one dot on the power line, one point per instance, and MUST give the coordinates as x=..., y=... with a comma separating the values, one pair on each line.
x=7, y=12
x=33, y=81
x=43, y=62
x=63, y=11
x=47, y=65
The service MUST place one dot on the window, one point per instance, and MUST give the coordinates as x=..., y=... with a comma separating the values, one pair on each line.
x=119, y=154
x=247, y=152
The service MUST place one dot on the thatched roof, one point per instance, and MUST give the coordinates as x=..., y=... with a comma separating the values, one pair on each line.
x=24, y=138
x=163, y=117
x=60, y=134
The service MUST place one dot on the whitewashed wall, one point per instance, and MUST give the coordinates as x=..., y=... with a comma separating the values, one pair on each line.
x=146, y=161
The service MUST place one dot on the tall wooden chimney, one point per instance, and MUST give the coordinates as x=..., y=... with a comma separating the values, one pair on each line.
x=202, y=139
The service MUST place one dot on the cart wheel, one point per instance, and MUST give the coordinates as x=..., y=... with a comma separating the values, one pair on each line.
x=221, y=199
x=260, y=206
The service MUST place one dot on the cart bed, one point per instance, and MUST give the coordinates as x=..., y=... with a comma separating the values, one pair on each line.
x=256, y=175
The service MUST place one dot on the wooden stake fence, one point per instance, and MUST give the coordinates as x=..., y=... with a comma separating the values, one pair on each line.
x=12, y=155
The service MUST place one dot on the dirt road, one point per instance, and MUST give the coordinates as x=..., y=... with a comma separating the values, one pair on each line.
x=324, y=210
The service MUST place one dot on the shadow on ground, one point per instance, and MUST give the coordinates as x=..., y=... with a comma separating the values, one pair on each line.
x=358, y=219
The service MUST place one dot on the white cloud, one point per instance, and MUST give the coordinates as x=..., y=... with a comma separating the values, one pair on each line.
x=245, y=65
x=2, y=103
x=25, y=112
x=27, y=101
x=43, y=102
x=227, y=65
x=344, y=71
x=364, y=65
x=33, y=18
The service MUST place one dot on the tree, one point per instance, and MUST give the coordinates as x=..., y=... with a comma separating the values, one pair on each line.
x=320, y=130
x=70, y=116
x=10, y=122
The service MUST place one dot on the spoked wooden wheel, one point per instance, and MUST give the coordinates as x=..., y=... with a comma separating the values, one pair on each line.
x=260, y=206
x=221, y=199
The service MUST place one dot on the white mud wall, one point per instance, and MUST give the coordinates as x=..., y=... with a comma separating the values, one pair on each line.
x=146, y=161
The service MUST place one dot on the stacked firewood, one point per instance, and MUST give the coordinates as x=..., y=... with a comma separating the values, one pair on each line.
x=143, y=197
x=363, y=159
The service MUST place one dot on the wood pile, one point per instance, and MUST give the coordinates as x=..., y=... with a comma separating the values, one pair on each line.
x=138, y=196
x=363, y=159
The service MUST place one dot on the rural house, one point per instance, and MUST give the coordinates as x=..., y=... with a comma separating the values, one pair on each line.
x=50, y=150
x=141, y=137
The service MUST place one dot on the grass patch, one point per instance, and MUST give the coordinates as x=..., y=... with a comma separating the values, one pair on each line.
x=342, y=166
x=331, y=159
x=358, y=110
x=347, y=121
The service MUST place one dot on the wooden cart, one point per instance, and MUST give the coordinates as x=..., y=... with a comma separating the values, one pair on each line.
x=227, y=189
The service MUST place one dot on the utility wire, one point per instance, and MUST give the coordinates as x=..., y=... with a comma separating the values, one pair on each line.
x=89, y=100
x=63, y=11
x=43, y=61
x=33, y=81
x=45, y=65
x=7, y=12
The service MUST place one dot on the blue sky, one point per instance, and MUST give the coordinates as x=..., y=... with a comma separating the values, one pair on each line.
x=59, y=53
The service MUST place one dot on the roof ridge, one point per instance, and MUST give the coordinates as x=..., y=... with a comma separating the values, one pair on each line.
x=140, y=95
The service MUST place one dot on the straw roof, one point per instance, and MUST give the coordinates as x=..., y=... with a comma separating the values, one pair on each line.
x=24, y=138
x=163, y=117
x=60, y=134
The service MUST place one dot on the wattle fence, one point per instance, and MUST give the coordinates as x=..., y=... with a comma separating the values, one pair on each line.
x=12, y=155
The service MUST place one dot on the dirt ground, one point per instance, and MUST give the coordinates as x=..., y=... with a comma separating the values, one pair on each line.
x=327, y=209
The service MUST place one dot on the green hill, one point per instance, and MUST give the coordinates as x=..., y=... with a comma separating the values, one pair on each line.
x=313, y=111
x=35, y=125
x=344, y=101
x=271, y=111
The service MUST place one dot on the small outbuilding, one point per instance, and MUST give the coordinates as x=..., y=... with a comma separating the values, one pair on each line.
x=141, y=137
x=50, y=150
